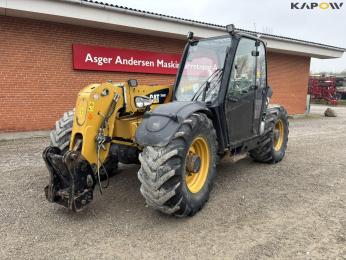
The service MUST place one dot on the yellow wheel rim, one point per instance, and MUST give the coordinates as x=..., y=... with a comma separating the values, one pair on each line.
x=278, y=135
x=196, y=181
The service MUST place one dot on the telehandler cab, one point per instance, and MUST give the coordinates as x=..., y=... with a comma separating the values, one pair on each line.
x=217, y=106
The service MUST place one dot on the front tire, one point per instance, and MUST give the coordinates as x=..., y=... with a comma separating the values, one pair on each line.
x=169, y=181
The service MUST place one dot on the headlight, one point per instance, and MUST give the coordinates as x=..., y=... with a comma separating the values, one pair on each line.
x=143, y=101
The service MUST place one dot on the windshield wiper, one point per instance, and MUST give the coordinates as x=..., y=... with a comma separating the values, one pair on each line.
x=209, y=89
x=206, y=85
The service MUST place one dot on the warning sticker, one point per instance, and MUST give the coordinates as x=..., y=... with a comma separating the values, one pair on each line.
x=91, y=106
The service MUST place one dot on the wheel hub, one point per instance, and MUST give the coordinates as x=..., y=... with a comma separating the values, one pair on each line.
x=278, y=135
x=197, y=164
x=193, y=163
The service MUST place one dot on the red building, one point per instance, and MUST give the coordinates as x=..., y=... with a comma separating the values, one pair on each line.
x=39, y=80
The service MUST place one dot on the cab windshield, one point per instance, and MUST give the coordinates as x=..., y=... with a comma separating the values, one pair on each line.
x=204, y=62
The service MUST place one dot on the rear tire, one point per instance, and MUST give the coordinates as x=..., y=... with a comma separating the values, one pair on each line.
x=61, y=136
x=164, y=184
x=272, y=145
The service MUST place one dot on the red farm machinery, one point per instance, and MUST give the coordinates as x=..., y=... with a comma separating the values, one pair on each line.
x=328, y=88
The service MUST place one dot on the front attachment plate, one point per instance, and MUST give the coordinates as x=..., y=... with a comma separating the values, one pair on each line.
x=71, y=181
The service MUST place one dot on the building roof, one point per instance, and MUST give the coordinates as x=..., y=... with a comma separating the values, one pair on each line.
x=200, y=23
x=99, y=14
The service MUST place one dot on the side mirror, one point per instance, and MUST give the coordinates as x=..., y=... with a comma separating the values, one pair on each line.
x=189, y=36
x=230, y=28
x=269, y=91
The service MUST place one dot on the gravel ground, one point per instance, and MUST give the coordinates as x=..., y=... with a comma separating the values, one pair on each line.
x=294, y=209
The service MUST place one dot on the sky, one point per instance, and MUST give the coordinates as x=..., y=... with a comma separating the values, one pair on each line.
x=269, y=16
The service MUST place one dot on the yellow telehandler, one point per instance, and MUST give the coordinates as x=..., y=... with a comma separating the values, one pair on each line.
x=217, y=106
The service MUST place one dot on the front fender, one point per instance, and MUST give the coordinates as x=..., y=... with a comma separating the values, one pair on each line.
x=159, y=126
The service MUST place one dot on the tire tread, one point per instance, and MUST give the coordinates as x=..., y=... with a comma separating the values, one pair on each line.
x=161, y=168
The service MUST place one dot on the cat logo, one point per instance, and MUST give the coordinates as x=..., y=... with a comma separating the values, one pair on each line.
x=155, y=98
x=159, y=96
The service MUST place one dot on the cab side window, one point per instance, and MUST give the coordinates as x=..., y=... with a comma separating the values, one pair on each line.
x=243, y=78
x=261, y=67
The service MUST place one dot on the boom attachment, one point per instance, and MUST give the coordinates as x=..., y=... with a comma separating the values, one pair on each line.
x=72, y=180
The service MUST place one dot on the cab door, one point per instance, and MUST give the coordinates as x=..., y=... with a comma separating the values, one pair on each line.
x=241, y=93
